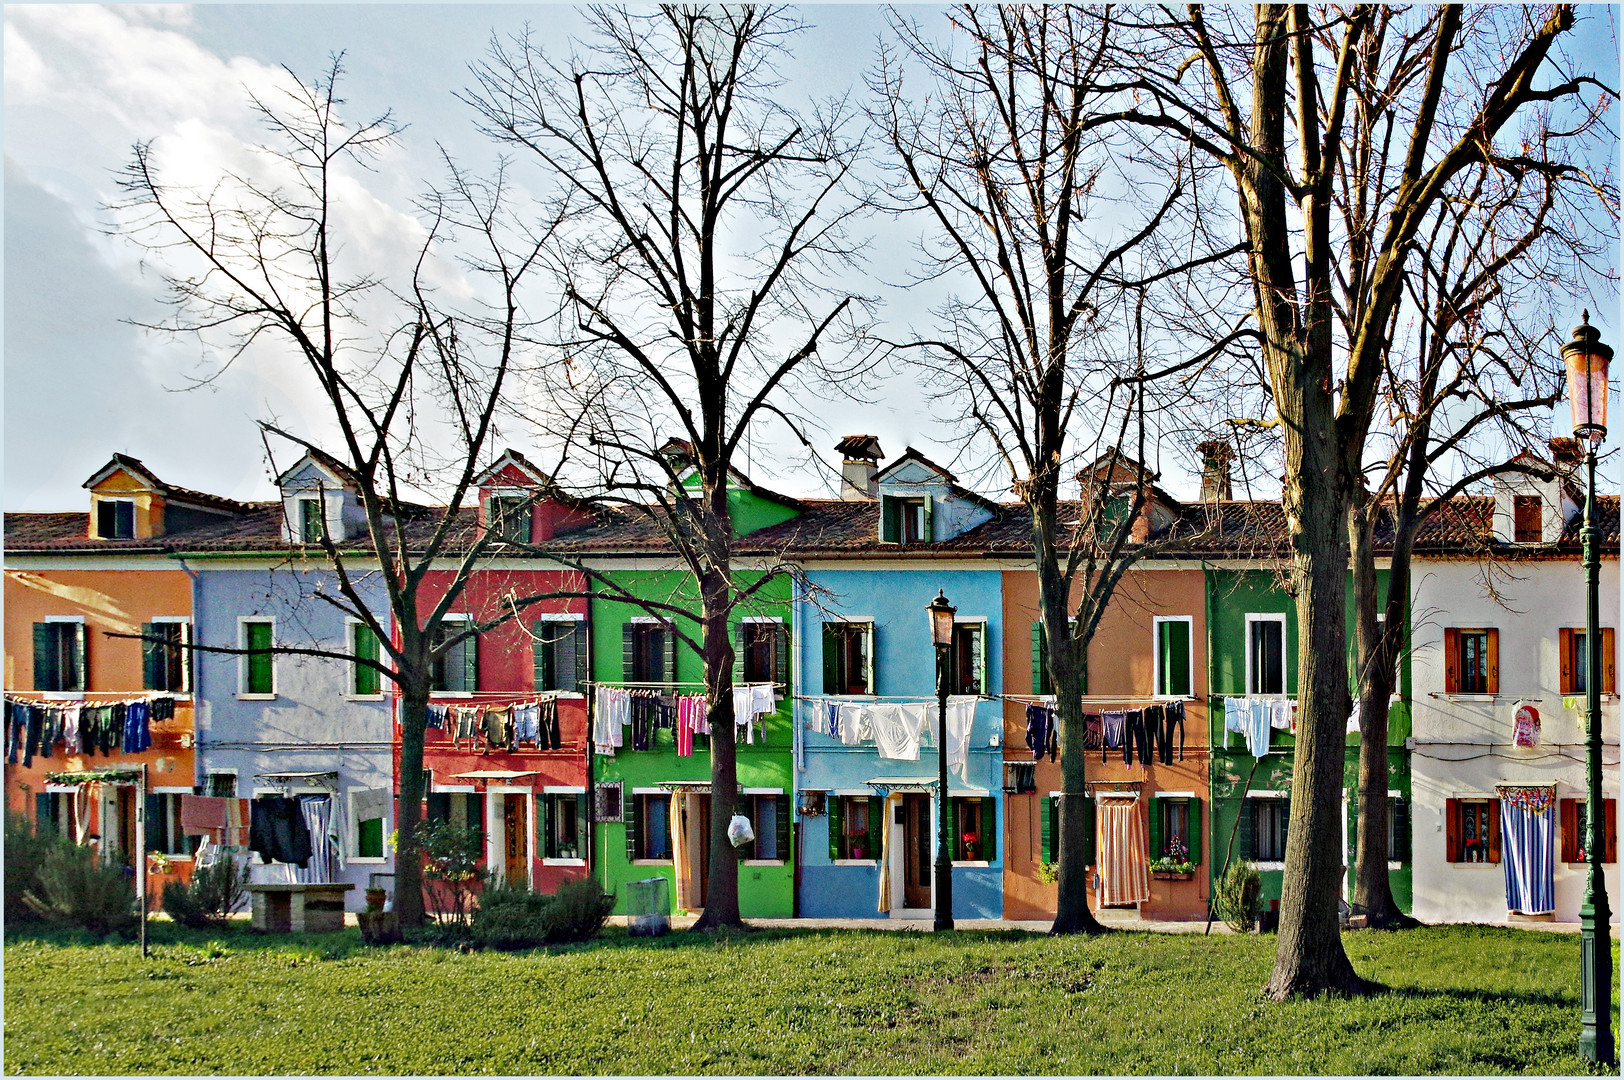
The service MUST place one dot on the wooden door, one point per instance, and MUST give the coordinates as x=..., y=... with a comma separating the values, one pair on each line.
x=515, y=827
x=916, y=856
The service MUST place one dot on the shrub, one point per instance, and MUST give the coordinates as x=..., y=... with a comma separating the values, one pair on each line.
x=578, y=911
x=25, y=856
x=451, y=869
x=511, y=917
x=78, y=889
x=1238, y=896
x=214, y=893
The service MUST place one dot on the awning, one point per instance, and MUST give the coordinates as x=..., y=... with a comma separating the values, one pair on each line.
x=94, y=776
x=493, y=774
x=927, y=784
x=327, y=777
x=692, y=787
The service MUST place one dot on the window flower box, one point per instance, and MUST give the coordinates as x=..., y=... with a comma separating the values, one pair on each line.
x=1172, y=875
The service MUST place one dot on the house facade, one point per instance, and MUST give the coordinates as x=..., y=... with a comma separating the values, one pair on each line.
x=1498, y=755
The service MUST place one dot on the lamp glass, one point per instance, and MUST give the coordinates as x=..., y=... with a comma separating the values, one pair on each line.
x=1587, y=361
x=941, y=620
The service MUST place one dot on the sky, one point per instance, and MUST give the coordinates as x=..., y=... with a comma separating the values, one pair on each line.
x=84, y=83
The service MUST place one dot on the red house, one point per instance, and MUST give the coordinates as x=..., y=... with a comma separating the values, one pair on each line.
x=510, y=756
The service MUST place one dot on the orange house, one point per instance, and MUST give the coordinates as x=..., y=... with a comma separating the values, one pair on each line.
x=74, y=582
x=1150, y=647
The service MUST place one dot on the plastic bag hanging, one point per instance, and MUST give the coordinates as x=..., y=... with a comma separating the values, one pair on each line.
x=739, y=832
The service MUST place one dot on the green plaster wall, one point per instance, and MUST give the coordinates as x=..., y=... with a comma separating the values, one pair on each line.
x=749, y=511
x=764, y=891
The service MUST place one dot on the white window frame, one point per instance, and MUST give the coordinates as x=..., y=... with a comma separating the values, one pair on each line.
x=547, y=792
x=96, y=514
x=355, y=829
x=868, y=672
x=778, y=620
x=70, y=695
x=495, y=494
x=299, y=503
x=1271, y=864
x=451, y=617
x=985, y=622
x=752, y=792
x=967, y=793
x=1285, y=644
x=185, y=622
x=1156, y=653
x=570, y=617
x=642, y=820
x=242, y=658
x=350, y=694
x=235, y=774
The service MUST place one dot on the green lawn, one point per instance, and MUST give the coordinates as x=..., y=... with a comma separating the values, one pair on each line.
x=1463, y=999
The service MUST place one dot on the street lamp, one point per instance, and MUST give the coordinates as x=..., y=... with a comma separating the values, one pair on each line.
x=941, y=635
x=1587, y=359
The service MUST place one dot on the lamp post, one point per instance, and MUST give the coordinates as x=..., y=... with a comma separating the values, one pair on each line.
x=1587, y=359
x=941, y=635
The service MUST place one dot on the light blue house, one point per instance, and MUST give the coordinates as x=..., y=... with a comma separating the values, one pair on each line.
x=873, y=562
x=314, y=728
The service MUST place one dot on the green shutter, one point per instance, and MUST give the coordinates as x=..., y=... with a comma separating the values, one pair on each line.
x=870, y=644
x=539, y=649
x=1088, y=830
x=952, y=826
x=367, y=680
x=1400, y=809
x=81, y=657
x=668, y=643
x=369, y=839
x=739, y=641
x=628, y=651
x=580, y=824
x=1040, y=668
x=581, y=656
x=927, y=531
x=876, y=823
x=781, y=655
x=1194, y=837
x=562, y=675
x=1156, y=810
x=470, y=661
x=152, y=658
x=1046, y=827
x=831, y=660
x=1175, y=659
x=634, y=836
x=45, y=662
x=261, y=676
x=989, y=830
x=154, y=823
x=890, y=524
x=1248, y=836
x=44, y=817
x=837, y=825
x=549, y=847
x=782, y=831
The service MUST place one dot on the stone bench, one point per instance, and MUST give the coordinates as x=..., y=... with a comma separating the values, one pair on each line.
x=299, y=909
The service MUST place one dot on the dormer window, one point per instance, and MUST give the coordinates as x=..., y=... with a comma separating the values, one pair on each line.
x=115, y=519
x=311, y=521
x=1527, y=514
x=509, y=518
x=905, y=520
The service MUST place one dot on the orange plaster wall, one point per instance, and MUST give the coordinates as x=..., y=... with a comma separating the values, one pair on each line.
x=1119, y=663
x=149, y=507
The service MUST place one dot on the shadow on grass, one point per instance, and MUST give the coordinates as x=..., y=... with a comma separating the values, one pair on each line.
x=1464, y=995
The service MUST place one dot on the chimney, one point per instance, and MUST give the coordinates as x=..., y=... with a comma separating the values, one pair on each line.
x=860, y=458
x=1215, y=458
x=1566, y=453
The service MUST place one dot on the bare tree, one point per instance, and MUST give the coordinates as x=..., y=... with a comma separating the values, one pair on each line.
x=1265, y=99
x=1029, y=209
x=260, y=265
x=700, y=215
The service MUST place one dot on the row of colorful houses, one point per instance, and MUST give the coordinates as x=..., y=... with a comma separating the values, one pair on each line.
x=838, y=771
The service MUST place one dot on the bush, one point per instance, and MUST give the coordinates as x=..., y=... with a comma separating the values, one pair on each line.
x=451, y=870
x=578, y=911
x=214, y=893
x=78, y=889
x=1238, y=896
x=514, y=917
x=25, y=856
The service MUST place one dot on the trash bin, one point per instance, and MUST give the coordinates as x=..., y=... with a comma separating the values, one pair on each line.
x=648, y=902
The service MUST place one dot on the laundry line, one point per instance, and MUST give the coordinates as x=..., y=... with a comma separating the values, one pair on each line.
x=1098, y=699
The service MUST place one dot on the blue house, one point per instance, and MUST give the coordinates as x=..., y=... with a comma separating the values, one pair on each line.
x=314, y=728
x=866, y=676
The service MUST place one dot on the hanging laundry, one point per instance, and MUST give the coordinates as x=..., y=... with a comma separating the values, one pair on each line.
x=16, y=729
x=1093, y=731
x=437, y=716
x=896, y=730
x=527, y=723
x=549, y=732
x=961, y=715
x=278, y=832
x=1525, y=727
x=201, y=815
x=1040, y=725
x=609, y=714
x=163, y=708
x=1235, y=714
x=1124, y=867
x=71, y=718
x=1115, y=725
x=1134, y=734
x=1527, y=846
x=1256, y=729
x=498, y=727
x=1172, y=715
x=1280, y=715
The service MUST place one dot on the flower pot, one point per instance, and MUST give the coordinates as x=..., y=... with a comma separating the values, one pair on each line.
x=375, y=899
x=1172, y=875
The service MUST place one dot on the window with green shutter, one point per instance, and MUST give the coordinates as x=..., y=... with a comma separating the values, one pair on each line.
x=855, y=822
x=848, y=658
x=312, y=521
x=164, y=662
x=259, y=665
x=456, y=669
x=364, y=681
x=972, y=824
x=1173, y=657
x=369, y=839
x=1052, y=829
x=560, y=654
x=60, y=656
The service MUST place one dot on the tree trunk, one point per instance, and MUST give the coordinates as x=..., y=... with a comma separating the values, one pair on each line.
x=716, y=599
x=409, y=810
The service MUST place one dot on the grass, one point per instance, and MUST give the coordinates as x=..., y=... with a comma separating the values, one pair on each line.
x=1462, y=1000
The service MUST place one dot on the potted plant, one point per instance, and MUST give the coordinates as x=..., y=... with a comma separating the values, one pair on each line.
x=1175, y=864
x=970, y=840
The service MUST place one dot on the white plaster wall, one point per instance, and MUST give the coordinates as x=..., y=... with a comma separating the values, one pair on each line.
x=1462, y=744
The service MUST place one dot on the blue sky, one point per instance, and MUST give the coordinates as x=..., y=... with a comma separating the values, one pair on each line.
x=83, y=83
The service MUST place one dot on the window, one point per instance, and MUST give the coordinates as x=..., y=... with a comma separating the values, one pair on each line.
x=1263, y=828
x=220, y=785
x=456, y=670
x=611, y=801
x=972, y=825
x=1575, y=834
x=1575, y=660
x=648, y=827
x=1473, y=830
x=163, y=827
x=1471, y=661
x=115, y=519
x=258, y=667
x=648, y=651
x=1526, y=512
x=563, y=825
x=855, y=822
x=1398, y=827
x=769, y=818
x=370, y=809
x=1172, y=659
x=967, y=670
x=1265, y=654
x=1042, y=674
x=560, y=654
x=164, y=663
x=312, y=521
x=460, y=809
x=763, y=652
x=848, y=658
x=59, y=655
x=53, y=812
x=1175, y=829
x=906, y=520
x=509, y=518
x=364, y=681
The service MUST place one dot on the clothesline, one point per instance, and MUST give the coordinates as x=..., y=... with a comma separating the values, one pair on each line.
x=106, y=697
x=1097, y=699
